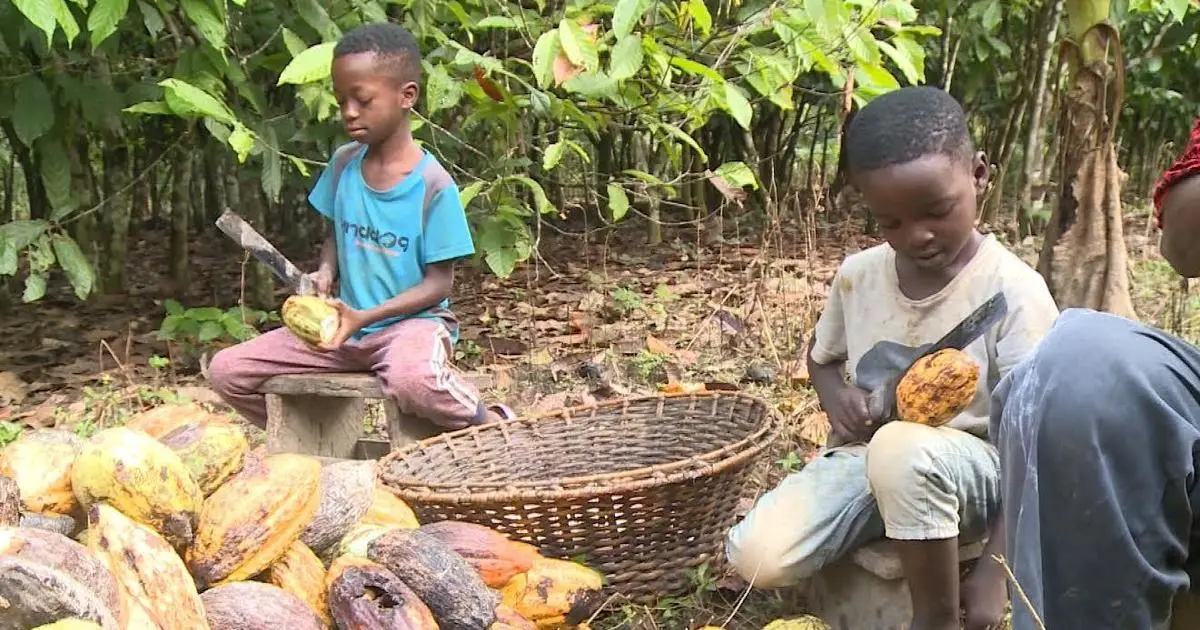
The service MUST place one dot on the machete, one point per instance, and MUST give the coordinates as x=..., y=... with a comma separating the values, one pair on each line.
x=236, y=228
x=881, y=402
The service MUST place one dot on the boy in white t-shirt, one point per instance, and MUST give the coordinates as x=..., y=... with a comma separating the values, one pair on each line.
x=910, y=155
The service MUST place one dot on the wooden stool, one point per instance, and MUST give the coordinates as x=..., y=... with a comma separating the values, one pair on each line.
x=867, y=589
x=322, y=414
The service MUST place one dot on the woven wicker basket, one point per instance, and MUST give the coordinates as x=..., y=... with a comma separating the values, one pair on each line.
x=641, y=489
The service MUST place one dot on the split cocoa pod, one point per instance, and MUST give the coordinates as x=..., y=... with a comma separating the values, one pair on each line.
x=313, y=319
x=937, y=388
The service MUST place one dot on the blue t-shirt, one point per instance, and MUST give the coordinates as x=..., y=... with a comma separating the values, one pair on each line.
x=386, y=237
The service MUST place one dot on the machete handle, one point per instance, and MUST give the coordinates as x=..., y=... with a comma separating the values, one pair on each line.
x=877, y=406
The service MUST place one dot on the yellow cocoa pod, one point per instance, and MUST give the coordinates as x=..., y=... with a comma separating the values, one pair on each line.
x=356, y=540
x=142, y=478
x=301, y=573
x=210, y=452
x=252, y=519
x=163, y=419
x=389, y=509
x=803, y=622
x=554, y=593
x=310, y=318
x=146, y=567
x=40, y=462
x=937, y=388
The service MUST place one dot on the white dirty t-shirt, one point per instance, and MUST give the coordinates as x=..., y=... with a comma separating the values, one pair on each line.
x=866, y=306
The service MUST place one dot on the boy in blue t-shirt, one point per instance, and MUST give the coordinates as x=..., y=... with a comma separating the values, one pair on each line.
x=398, y=226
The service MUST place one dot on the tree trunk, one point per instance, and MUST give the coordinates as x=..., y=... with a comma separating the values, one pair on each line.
x=114, y=219
x=1083, y=258
x=1031, y=169
x=991, y=203
x=181, y=210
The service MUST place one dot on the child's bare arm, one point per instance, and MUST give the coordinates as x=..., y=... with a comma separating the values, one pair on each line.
x=435, y=287
x=844, y=404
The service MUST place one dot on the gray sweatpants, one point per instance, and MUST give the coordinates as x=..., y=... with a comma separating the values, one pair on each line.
x=1099, y=435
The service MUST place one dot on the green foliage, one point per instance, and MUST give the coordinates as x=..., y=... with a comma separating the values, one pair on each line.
x=210, y=326
x=9, y=432
x=510, y=96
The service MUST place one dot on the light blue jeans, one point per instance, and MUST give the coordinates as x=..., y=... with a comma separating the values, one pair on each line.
x=911, y=482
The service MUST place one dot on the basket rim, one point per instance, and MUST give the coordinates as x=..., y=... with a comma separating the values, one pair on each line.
x=634, y=473
x=586, y=486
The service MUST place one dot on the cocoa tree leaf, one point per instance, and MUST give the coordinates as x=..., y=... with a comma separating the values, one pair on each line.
x=151, y=18
x=553, y=155
x=310, y=66
x=626, y=58
x=150, y=107
x=467, y=194
x=40, y=13
x=103, y=19
x=189, y=101
x=293, y=42
x=739, y=107
x=33, y=115
x=442, y=92
x=35, y=287
x=544, y=52
x=74, y=265
x=701, y=17
x=627, y=14
x=578, y=45
x=21, y=234
x=737, y=174
x=62, y=13
x=618, y=202
x=241, y=141
x=207, y=21
x=271, y=177
x=902, y=60
x=314, y=14
x=541, y=202
x=55, y=169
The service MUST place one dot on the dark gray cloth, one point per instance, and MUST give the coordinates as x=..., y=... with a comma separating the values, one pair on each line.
x=1098, y=438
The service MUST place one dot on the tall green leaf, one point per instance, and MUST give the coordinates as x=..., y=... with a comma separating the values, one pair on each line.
x=701, y=17
x=34, y=113
x=74, y=265
x=626, y=57
x=311, y=65
x=578, y=45
x=553, y=155
x=737, y=174
x=35, y=287
x=151, y=18
x=618, y=202
x=207, y=21
x=103, y=19
x=627, y=14
x=41, y=14
x=55, y=169
x=66, y=20
x=544, y=51
x=189, y=101
x=739, y=107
